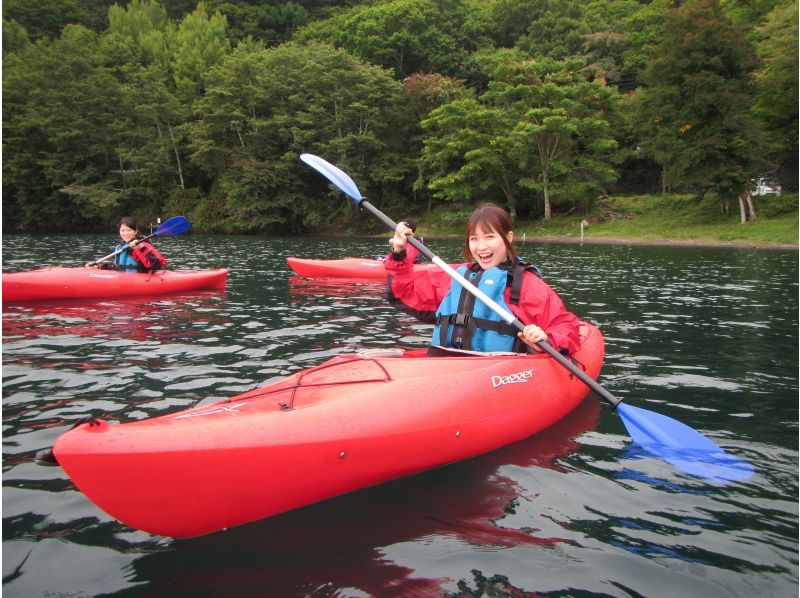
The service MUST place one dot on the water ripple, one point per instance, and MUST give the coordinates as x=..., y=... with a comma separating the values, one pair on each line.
x=708, y=337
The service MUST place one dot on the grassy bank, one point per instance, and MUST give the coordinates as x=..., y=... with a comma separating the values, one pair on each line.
x=652, y=219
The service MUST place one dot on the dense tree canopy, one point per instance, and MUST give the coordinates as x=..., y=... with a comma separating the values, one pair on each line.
x=258, y=120
x=777, y=91
x=694, y=115
x=153, y=108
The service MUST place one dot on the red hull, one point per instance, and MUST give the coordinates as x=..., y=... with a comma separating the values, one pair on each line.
x=352, y=422
x=88, y=283
x=349, y=267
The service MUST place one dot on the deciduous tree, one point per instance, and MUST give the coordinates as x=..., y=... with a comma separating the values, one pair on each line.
x=776, y=103
x=256, y=121
x=201, y=42
x=60, y=109
x=694, y=115
x=539, y=130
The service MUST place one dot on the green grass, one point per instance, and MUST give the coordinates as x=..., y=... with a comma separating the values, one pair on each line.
x=652, y=218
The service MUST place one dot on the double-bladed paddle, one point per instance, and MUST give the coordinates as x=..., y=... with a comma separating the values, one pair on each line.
x=686, y=448
x=174, y=226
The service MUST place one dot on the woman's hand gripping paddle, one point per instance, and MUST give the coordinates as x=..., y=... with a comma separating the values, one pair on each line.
x=174, y=226
x=686, y=448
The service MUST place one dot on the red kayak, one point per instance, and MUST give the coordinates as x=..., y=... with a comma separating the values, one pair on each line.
x=354, y=421
x=88, y=283
x=348, y=267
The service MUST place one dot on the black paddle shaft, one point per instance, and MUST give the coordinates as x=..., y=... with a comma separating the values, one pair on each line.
x=544, y=346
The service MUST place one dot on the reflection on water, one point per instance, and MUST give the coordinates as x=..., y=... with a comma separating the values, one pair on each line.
x=465, y=504
x=708, y=337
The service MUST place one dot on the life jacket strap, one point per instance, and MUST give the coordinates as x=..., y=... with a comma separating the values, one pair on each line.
x=123, y=267
x=464, y=329
x=515, y=276
x=470, y=324
x=463, y=324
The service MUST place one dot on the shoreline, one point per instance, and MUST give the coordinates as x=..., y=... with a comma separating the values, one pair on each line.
x=665, y=242
x=628, y=241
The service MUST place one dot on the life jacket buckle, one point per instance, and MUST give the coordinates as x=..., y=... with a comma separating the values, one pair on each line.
x=461, y=319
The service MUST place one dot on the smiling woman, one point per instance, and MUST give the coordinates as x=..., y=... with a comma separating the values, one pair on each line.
x=135, y=254
x=462, y=322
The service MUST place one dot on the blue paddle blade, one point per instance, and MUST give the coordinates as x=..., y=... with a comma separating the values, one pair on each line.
x=342, y=181
x=685, y=448
x=174, y=226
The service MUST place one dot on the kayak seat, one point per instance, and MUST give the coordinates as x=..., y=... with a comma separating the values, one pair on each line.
x=438, y=351
x=380, y=353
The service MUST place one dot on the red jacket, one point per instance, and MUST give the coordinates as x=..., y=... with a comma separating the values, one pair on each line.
x=147, y=257
x=419, y=293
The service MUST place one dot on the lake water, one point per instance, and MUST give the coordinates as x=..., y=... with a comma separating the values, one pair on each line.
x=705, y=336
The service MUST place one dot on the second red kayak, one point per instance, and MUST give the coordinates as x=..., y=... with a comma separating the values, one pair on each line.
x=88, y=283
x=348, y=267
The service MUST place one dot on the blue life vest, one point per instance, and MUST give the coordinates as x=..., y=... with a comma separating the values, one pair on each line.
x=125, y=261
x=464, y=322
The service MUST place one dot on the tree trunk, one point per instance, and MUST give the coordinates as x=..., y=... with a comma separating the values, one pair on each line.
x=338, y=120
x=548, y=209
x=177, y=155
x=742, y=209
x=512, y=204
x=751, y=206
x=121, y=169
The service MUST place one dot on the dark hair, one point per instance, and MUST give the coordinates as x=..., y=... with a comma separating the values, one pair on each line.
x=129, y=222
x=490, y=216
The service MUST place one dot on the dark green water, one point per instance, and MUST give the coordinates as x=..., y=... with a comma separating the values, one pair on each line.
x=706, y=336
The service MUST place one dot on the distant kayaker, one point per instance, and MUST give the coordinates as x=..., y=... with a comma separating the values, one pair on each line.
x=138, y=256
x=464, y=322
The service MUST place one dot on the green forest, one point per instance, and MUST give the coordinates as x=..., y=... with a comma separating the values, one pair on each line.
x=153, y=109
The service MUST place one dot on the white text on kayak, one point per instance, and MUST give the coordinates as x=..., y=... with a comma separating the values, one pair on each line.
x=512, y=378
